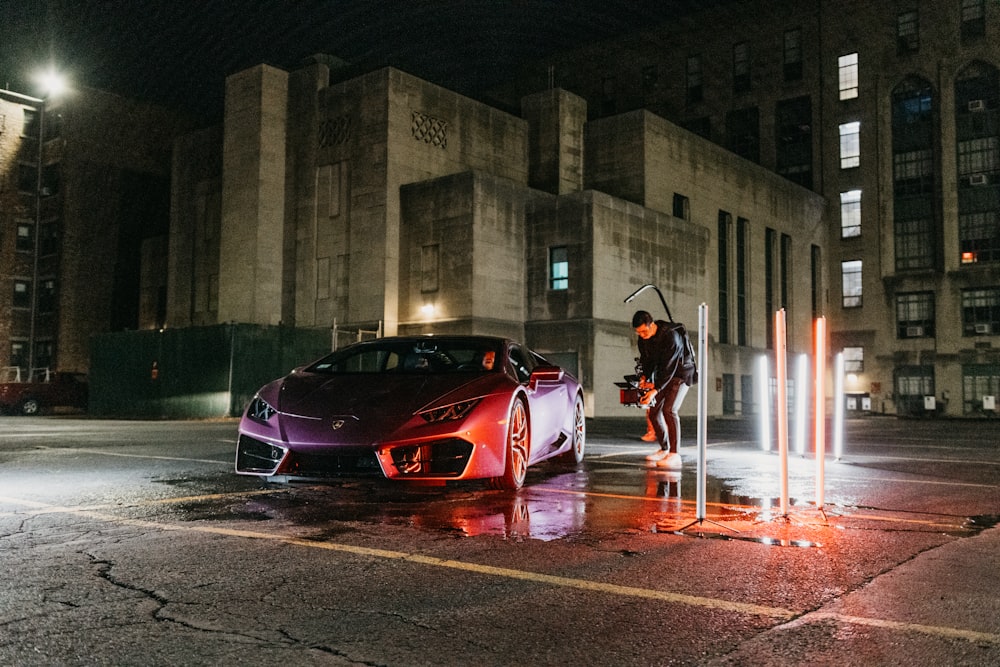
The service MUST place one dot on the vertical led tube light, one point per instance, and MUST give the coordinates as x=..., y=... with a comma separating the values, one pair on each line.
x=702, y=409
x=838, y=405
x=819, y=344
x=801, y=403
x=781, y=404
x=765, y=404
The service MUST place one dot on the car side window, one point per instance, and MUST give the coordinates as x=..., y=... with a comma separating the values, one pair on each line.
x=521, y=364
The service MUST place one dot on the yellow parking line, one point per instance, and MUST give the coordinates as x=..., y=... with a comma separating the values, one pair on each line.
x=536, y=577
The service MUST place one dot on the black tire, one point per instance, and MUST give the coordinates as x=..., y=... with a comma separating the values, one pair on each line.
x=518, y=447
x=30, y=407
x=575, y=455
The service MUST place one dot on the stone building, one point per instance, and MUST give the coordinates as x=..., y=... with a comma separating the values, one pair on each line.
x=384, y=202
x=70, y=240
x=889, y=110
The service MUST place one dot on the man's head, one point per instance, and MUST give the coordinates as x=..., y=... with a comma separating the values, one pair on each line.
x=643, y=324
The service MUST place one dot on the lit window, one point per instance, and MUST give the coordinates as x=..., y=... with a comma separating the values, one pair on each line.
x=848, y=68
x=850, y=272
x=22, y=294
x=850, y=213
x=854, y=359
x=25, y=241
x=558, y=268
x=850, y=145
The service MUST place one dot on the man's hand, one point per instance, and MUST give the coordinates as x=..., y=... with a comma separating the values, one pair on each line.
x=648, y=397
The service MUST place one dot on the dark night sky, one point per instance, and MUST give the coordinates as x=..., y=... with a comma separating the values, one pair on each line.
x=178, y=52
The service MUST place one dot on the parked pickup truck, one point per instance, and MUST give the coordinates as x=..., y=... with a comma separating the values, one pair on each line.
x=43, y=390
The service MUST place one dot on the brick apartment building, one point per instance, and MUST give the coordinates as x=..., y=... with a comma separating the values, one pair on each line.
x=70, y=241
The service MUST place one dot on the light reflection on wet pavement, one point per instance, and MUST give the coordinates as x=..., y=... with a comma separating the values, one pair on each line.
x=612, y=493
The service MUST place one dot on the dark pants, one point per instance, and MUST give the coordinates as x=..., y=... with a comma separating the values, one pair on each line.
x=664, y=414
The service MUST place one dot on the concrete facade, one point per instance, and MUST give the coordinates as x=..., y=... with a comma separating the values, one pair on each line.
x=385, y=201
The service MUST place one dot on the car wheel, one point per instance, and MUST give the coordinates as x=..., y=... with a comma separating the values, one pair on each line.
x=518, y=442
x=30, y=406
x=575, y=455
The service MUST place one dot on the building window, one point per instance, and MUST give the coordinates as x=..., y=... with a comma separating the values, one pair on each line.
x=682, y=207
x=48, y=242
x=854, y=359
x=743, y=133
x=742, y=240
x=981, y=311
x=792, y=57
x=18, y=350
x=25, y=241
x=850, y=276
x=741, y=67
x=850, y=214
x=815, y=267
x=973, y=20
x=786, y=270
x=29, y=128
x=693, y=80
x=915, y=198
x=609, y=85
x=725, y=226
x=850, y=145
x=794, y=157
x=977, y=97
x=980, y=381
x=50, y=180
x=47, y=296
x=558, y=268
x=979, y=237
x=912, y=384
x=430, y=260
x=22, y=294
x=847, y=67
x=907, y=33
x=650, y=77
x=978, y=161
x=770, y=241
x=27, y=178
x=915, y=315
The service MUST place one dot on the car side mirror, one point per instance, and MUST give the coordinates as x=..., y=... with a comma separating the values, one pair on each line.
x=545, y=374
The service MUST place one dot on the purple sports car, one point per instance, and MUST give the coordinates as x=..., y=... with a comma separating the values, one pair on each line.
x=425, y=408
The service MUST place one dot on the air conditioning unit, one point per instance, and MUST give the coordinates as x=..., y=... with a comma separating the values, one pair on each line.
x=989, y=403
x=977, y=179
x=914, y=332
x=977, y=105
x=984, y=329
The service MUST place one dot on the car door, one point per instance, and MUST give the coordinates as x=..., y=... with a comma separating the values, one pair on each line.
x=547, y=401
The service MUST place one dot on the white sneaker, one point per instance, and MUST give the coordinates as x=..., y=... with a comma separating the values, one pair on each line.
x=657, y=455
x=671, y=462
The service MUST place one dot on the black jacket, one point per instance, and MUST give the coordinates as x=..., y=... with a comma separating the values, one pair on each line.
x=662, y=356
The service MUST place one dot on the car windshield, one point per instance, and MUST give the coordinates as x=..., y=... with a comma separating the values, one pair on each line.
x=421, y=356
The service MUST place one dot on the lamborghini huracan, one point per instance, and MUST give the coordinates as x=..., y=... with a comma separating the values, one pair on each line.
x=431, y=408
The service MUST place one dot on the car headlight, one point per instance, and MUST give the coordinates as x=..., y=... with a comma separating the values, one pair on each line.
x=260, y=410
x=447, y=413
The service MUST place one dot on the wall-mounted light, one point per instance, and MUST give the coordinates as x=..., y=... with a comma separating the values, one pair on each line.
x=428, y=310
